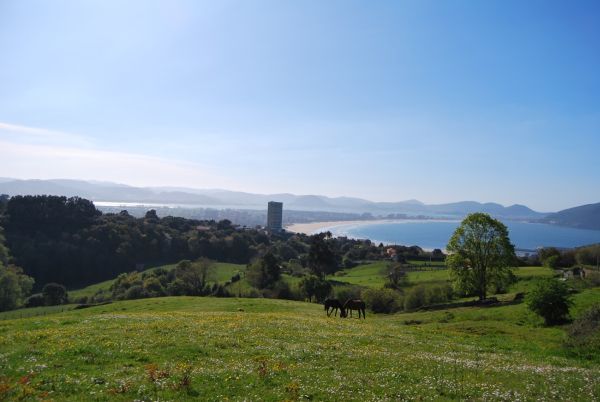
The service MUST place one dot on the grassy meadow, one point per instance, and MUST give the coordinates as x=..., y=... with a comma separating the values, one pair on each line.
x=178, y=348
x=185, y=348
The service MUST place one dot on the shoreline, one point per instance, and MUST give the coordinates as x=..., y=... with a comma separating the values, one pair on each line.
x=314, y=227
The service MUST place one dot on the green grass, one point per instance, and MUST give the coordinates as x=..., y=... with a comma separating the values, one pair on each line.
x=428, y=277
x=183, y=348
x=35, y=311
x=373, y=275
x=427, y=263
x=368, y=275
x=224, y=271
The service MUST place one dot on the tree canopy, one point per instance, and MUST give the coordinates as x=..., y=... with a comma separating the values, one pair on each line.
x=322, y=259
x=551, y=300
x=481, y=255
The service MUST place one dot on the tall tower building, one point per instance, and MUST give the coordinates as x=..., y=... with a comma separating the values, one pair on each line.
x=275, y=216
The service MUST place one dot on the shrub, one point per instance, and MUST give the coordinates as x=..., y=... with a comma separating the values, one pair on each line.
x=81, y=300
x=252, y=293
x=593, y=277
x=583, y=336
x=219, y=290
x=279, y=290
x=382, y=300
x=177, y=288
x=153, y=287
x=135, y=292
x=314, y=286
x=343, y=293
x=503, y=282
x=348, y=262
x=14, y=284
x=438, y=294
x=550, y=299
x=54, y=294
x=415, y=298
x=36, y=300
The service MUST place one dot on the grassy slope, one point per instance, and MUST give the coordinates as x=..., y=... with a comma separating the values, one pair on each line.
x=223, y=272
x=369, y=275
x=276, y=350
x=372, y=275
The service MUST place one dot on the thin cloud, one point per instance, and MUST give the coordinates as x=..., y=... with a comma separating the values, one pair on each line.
x=24, y=161
x=43, y=134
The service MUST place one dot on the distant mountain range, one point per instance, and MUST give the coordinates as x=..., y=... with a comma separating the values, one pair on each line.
x=217, y=198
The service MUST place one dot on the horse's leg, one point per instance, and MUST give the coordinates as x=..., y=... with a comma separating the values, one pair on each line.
x=364, y=315
x=336, y=309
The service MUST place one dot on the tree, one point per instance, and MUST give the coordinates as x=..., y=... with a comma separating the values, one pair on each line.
x=550, y=257
x=193, y=276
x=54, y=294
x=480, y=254
x=14, y=287
x=314, y=286
x=396, y=276
x=550, y=299
x=265, y=272
x=321, y=258
x=589, y=255
x=437, y=253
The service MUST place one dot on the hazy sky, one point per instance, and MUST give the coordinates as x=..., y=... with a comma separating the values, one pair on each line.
x=440, y=101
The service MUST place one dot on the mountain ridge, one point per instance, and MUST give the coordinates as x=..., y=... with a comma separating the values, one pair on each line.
x=220, y=198
x=582, y=217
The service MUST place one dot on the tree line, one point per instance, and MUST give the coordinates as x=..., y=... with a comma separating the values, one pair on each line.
x=68, y=241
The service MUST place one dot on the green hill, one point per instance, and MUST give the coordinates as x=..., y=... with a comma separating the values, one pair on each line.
x=222, y=272
x=178, y=348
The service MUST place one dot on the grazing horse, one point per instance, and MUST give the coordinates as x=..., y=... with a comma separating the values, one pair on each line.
x=354, y=304
x=331, y=305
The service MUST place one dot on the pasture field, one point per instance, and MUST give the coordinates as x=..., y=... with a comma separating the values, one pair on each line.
x=373, y=275
x=368, y=275
x=182, y=348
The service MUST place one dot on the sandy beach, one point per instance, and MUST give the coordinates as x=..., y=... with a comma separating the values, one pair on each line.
x=313, y=227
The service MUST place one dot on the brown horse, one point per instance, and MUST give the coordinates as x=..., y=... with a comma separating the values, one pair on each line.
x=331, y=305
x=354, y=304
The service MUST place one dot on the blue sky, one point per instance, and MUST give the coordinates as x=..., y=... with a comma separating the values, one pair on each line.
x=435, y=100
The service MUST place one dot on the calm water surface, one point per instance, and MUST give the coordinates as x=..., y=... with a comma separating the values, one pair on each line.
x=435, y=234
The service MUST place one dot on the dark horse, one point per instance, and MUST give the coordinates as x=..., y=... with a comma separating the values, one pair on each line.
x=354, y=304
x=331, y=305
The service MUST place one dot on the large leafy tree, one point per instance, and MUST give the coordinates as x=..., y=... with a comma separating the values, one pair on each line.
x=322, y=259
x=481, y=255
x=14, y=287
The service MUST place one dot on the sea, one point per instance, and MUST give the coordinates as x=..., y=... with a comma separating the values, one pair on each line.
x=431, y=234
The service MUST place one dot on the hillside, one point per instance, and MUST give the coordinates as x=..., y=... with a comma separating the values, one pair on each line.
x=582, y=217
x=217, y=198
x=256, y=349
